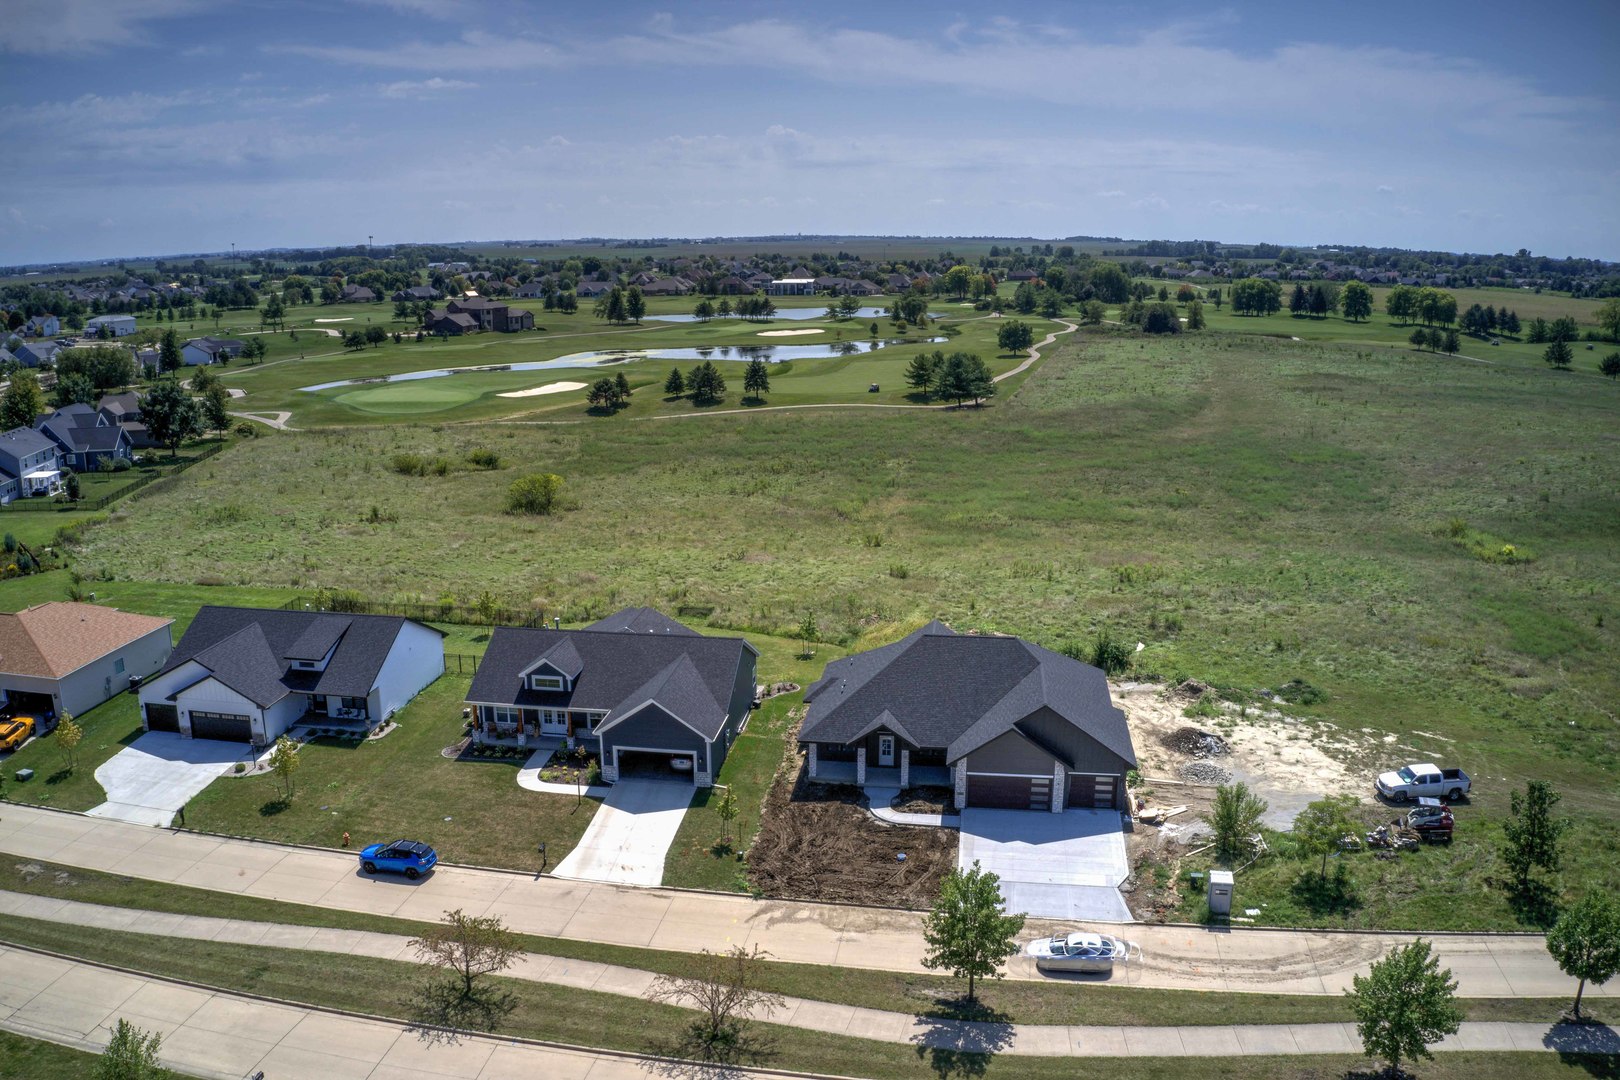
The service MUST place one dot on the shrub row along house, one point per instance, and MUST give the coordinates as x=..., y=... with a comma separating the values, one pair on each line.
x=1003, y=722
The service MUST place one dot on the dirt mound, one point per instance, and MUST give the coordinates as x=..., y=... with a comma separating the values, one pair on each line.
x=1194, y=743
x=1202, y=772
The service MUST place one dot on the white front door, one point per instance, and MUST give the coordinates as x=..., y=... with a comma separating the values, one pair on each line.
x=885, y=751
x=553, y=722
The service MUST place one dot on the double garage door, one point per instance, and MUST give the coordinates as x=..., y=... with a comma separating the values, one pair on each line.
x=224, y=726
x=1035, y=792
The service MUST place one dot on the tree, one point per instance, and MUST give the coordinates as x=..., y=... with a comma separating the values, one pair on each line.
x=106, y=366
x=68, y=736
x=1404, y=1003
x=1256, y=296
x=1586, y=942
x=957, y=280
x=1558, y=355
x=622, y=385
x=255, y=349
x=1321, y=825
x=756, y=379
x=924, y=371
x=170, y=414
x=1608, y=318
x=1093, y=312
x=169, y=357
x=1419, y=338
x=72, y=389
x=354, y=340
x=1436, y=340
x=284, y=763
x=724, y=989
x=727, y=809
x=1235, y=817
x=603, y=394
x=468, y=946
x=215, y=409
x=1610, y=365
x=611, y=305
x=1195, y=316
x=967, y=932
x=375, y=335
x=534, y=494
x=1160, y=318
x=1015, y=336
x=202, y=377
x=131, y=1054
x=635, y=304
x=704, y=311
x=1300, y=302
x=1451, y=343
x=706, y=384
x=1024, y=299
x=1531, y=833
x=1356, y=301
x=675, y=386
x=23, y=403
x=274, y=312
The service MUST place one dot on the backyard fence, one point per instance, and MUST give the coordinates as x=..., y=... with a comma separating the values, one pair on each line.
x=461, y=663
x=103, y=501
x=343, y=600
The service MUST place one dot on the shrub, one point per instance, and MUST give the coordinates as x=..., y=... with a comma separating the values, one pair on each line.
x=1110, y=653
x=484, y=459
x=534, y=494
x=122, y=465
x=1300, y=692
x=408, y=464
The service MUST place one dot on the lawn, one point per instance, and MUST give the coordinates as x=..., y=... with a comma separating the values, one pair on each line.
x=472, y=812
x=592, y=1018
x=1251, y=509
x=37, y=1059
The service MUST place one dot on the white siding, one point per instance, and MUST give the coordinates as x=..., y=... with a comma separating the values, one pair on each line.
x=416, y=659
x=209, y=695
x=99, y=680
x=156, y=691
x=279, y=717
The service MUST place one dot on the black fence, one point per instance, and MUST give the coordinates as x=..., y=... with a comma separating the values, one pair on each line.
x=461, y=663
x=104, y=501
x=342, y=600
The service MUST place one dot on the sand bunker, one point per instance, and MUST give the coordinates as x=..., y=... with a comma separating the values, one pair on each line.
x=347, y=319
x=549, y=388
x=788, y=333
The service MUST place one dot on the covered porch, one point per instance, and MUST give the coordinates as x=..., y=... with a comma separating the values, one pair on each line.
x=861, y=775
x=41, y=482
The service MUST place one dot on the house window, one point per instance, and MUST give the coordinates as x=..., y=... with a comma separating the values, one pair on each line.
x=505, y=717
x=547, y=682
x=118, y=666
x=354, y=703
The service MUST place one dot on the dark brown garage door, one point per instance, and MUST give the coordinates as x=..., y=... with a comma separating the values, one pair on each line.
x=162, y=718
x=1001, y=792
x=1099, y=792
x=226, y=726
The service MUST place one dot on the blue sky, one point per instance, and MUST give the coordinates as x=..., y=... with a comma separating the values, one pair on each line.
x=159, y=126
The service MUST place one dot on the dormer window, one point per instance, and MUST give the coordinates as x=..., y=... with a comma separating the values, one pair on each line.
x=546, y=682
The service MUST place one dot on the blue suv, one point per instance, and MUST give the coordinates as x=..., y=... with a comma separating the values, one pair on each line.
x=409, y=857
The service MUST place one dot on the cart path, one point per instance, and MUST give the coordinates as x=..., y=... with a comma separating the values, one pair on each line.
x=892, y=1027
x=1175, y=957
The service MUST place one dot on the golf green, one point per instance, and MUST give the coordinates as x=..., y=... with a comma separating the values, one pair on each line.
x=410, y=397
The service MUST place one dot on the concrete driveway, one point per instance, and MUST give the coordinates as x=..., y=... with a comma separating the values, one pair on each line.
x=158, y=773
x=628, y=838
x=1052, y=866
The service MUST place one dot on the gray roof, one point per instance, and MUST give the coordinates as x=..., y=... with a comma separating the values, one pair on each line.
x=689, y=675
x=21, y=442
x=76, y=428
x=642, y=620
x=251, y=650
x=954, y=691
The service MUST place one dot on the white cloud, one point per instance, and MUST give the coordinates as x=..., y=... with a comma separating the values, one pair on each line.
x=425, y=88
x=60, y=27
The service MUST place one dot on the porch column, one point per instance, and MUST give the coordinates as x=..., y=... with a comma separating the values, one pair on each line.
x=905, y=768
x=812, y=764
x=1059, y=796
x=860, y=767
x=610, y=767
x=961, y=784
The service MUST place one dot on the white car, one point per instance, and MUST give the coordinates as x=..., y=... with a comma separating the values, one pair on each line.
x=1079, y=952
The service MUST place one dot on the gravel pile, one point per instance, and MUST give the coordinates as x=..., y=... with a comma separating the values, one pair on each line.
x=1203, y=772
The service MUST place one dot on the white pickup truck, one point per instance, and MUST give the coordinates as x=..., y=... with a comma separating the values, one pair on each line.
x=1420, y=781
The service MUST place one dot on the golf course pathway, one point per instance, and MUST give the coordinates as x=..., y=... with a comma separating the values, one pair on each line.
x=941, y=1034
x=1175, y=957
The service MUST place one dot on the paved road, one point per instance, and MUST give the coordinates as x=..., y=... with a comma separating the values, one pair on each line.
x=630, y=833
x=1275, y=961
x=892, y=1027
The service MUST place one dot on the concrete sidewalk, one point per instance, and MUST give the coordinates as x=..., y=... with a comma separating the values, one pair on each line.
x=1176, y=957
x=1226, y=1040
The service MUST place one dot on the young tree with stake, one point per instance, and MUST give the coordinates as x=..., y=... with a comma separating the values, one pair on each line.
x=968, y=933
x=1403, y=1004
x=1586, y=942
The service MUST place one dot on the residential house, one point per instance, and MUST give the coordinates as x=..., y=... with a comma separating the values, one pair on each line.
x=210, y=350
x=449, y=324
x=35, y=353
x=42, y=326
x=668, y=286
x=104, y=326
x=489, y=314
x=416, y=293
x=125, y=411
x=732, y=285
x=1003, y=722
x=792, y=286
x=1023, y=275
x=644, y=691
x=357, y=294
x=63, y=657
x=591, y=289
x=533, y=290
x=29, y=465
x=86, y=438
x=249, y=674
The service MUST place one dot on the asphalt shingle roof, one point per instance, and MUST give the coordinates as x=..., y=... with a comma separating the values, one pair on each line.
x=642, y=620
x=958, y=691
x=251, y=650
x=690, y=674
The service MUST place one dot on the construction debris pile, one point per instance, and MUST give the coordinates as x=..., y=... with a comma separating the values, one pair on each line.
x=1194, y=743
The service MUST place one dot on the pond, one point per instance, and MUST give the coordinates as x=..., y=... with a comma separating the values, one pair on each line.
x=796, y=313
x=771, y=354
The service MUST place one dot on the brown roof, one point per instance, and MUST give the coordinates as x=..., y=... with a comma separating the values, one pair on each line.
x=53, y=639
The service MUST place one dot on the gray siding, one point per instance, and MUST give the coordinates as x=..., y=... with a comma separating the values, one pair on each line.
x=1010, y=753
x=742, y=699
x=1083, y=753
x=653, y=728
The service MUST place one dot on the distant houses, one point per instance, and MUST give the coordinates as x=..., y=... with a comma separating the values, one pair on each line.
x=470, y=314
x=357, y=294
x=42, y=326
x=210, y=350
x=106, y=326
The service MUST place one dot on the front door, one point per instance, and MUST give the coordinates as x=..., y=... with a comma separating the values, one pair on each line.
x=553, y=722
x=885, y=751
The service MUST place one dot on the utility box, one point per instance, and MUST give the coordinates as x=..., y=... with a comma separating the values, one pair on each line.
x=1220, y=892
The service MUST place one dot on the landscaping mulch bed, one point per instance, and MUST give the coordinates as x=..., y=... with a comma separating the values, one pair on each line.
x=925, y=799
x=817, y=842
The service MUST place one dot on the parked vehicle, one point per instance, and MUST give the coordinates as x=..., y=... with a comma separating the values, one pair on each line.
x=15, y=731
x=1079, y=951
x=1430, y=819
x=409, y=857
x=1416, y=781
